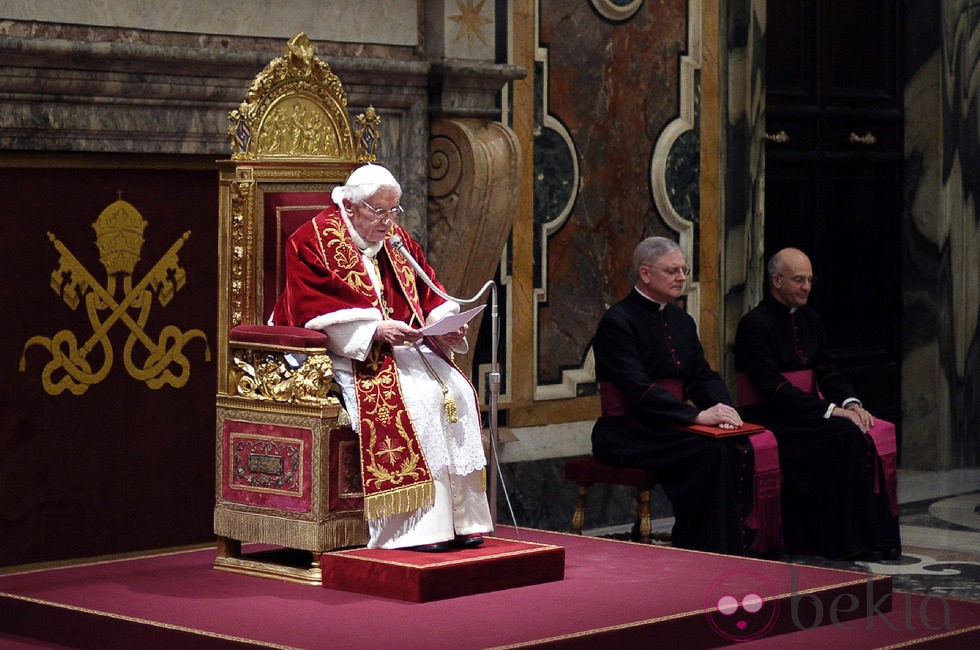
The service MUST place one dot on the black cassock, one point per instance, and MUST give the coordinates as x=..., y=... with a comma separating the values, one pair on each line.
x=829, y=466
x=708, y=480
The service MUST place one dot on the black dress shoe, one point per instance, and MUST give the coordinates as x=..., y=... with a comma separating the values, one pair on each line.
x=438, y=547
x=893, y=553
x=471, y=540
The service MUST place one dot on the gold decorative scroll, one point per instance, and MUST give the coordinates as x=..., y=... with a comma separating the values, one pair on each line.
x=297, y=108
x=269, y=375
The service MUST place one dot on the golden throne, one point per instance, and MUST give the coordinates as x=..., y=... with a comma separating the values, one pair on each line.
x=287, y=465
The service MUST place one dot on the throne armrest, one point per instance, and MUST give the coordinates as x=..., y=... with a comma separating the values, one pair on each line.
x=281, y=364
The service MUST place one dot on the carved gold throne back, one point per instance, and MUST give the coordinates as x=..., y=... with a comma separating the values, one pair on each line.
x=287, y=468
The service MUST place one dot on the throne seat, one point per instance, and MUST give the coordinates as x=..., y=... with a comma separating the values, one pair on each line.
x=278, y=337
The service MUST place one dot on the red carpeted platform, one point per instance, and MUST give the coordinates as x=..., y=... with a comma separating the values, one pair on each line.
x=614, y=594
x=421, y=577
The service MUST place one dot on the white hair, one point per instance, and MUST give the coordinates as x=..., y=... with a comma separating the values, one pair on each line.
x=363, y=183
x=650, y=250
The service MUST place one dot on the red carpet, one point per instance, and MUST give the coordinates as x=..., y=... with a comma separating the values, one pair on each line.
x=613, y=594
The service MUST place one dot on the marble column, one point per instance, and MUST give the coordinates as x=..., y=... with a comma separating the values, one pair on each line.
x=941, y=274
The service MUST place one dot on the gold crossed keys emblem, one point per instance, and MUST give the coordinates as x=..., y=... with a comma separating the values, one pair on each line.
x=119, y=237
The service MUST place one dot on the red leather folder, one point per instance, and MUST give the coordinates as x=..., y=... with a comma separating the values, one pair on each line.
x=718, y=432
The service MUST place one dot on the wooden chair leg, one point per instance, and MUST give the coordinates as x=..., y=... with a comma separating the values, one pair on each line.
x=643, y=514
x=578, y=519
x=229, y=548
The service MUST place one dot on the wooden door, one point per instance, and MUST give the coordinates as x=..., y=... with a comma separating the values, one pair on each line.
x=833, y=174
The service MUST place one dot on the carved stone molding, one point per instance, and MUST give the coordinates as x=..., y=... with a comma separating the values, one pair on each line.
x=474, y=176
x=673, y=169
x=62, y=95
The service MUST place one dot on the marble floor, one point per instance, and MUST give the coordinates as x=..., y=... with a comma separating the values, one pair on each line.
x=940, y=524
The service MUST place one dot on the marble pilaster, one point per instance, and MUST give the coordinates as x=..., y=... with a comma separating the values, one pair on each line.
x=941, y=275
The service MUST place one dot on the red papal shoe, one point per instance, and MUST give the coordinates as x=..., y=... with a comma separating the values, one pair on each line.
x=471, y=540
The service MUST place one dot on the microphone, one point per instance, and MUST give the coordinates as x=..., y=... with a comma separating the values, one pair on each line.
x=397, y=243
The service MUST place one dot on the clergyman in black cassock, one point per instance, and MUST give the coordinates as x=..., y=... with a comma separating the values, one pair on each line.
x=829, y=463
x=646, y=339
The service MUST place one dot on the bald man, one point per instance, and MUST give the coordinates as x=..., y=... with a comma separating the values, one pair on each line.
x=833, y=501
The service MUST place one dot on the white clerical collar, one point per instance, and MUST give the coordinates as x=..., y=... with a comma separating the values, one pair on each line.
x=660, y=305
x=367, y=248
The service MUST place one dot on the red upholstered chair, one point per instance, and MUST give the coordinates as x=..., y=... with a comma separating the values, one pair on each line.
x=882, y=433
x=765, y=516
x=586, y=471
x=287, y=463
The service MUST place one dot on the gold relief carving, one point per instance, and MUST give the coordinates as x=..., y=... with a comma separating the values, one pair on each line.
x=269, y=375
x=119, y=237
x=301, y=173
x=470, y=23
x=297, y=127
x=241, y=201
x=297, y=107
x=366, y=134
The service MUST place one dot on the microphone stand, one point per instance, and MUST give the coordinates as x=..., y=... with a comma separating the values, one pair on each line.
x=493, y=377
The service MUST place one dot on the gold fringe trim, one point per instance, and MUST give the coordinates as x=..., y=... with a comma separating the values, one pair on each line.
x=290, y=533
x=399, y=500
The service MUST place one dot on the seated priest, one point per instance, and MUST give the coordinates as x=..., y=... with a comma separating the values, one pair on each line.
x=642, y=345
x=834, y=498
x=416, y=415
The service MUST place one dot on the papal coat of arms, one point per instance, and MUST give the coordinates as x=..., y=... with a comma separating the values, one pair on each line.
x=76, y=367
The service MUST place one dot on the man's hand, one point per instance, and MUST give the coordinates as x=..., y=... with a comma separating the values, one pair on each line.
x=720, y=415
x=856, y=414
x=396, y=332
x=453, y=340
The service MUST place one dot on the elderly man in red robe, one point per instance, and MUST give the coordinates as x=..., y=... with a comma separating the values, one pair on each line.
x=416, y=414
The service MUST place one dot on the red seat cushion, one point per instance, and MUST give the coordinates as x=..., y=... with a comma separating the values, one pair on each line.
x=278, y=336
x=587, y=469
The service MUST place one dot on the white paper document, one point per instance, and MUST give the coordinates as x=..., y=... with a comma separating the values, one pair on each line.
x=451, y=323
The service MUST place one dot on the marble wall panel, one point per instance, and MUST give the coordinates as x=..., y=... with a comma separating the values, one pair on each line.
x=613, y=86
x=941, y=274
x=337, y=21
x=744, y=172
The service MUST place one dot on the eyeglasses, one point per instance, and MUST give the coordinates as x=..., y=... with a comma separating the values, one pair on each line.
x=800, y=279
x=379, y=213
x=674, y=271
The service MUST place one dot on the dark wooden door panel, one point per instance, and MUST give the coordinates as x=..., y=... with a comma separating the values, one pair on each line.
x=859, y=39
x=833, y=173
